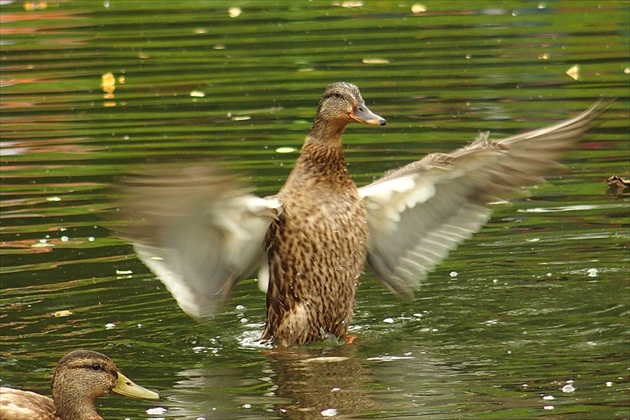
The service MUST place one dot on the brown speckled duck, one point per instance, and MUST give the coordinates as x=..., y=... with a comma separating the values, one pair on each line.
x=201, y=230
x=80, y=377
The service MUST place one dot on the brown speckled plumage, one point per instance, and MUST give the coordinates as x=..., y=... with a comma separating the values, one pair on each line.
x=316, y=251
x=317, y=248
x=201, y=231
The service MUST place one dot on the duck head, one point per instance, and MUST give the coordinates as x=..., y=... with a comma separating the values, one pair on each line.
x=341, y=104
x=82, y=376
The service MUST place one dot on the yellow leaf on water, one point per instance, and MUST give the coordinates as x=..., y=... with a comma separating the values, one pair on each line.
x=574, y=72
x=108, y=80
x=108, y=84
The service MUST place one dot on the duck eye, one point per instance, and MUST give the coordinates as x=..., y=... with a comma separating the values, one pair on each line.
x=337, y=95
x=96, y=366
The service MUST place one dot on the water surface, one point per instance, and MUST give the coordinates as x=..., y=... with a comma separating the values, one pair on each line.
x=527, y=319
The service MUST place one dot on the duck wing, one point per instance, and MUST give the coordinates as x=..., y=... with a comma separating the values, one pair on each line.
x=198, y=229
x=421, y=211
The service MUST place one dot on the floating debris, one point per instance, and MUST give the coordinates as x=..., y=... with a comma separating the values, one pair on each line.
x=197, y=94
x=156, y=411
x=42, y=243
x=418, y=8
x=108, y=84
x=574, y=72
x=62, y=313
x=348, y=4
x=375, y=61
x=329, y=412
x=29, y=6
x=234, y=12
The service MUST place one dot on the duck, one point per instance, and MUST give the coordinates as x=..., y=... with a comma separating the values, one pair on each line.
x=80, y=377
x=201, y=229
x=618, y=186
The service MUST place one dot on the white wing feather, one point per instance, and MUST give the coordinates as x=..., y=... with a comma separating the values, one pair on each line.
x=420, y=212
x=198, y=230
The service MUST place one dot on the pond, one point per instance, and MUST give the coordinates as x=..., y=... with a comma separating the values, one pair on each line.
x=529, y=318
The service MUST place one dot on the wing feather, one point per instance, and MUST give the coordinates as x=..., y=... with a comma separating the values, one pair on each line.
x=198, y=229
x=420, y=212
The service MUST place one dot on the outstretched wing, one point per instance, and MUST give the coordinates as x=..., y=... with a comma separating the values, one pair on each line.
x=198, y=229
x=418, y=213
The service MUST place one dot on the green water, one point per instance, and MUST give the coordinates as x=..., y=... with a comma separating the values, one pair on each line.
x=535, y=300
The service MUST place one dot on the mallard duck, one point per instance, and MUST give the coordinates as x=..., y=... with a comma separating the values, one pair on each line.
x=201, y=230
x=80, y=377
x=618, y=186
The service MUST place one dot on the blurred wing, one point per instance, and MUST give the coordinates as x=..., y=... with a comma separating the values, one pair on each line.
x=198, y=230
x=420, y=212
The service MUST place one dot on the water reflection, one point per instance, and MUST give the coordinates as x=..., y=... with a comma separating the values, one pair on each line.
x=311, y=383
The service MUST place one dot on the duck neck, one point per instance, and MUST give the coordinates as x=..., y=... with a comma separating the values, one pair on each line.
x=74, y=404
x=321, y=160
x=326, y=131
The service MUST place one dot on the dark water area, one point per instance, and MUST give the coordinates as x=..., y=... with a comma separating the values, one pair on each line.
x=529, y=318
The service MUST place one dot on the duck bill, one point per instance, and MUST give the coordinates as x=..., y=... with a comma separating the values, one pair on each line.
x=125, y=386
x=363, y=115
